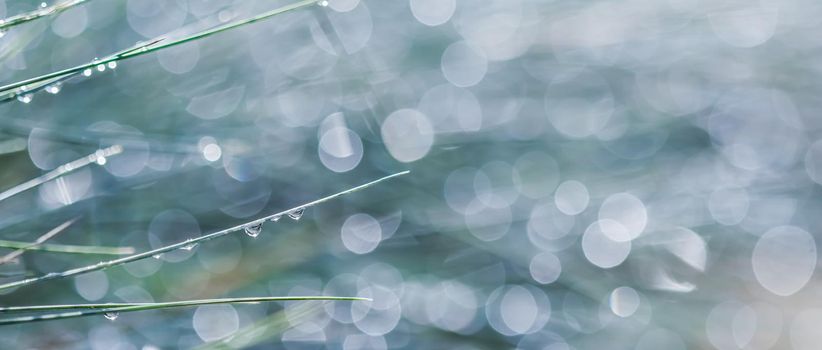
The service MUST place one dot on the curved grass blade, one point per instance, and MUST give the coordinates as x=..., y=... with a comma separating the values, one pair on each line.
x=40, y=240
x=102, y=309
x=23, y=87
x=67, y=248
x=187, y=243
x=19, y=19
x=97, y=157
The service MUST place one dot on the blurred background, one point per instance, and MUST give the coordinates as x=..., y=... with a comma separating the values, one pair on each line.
x=584, y=174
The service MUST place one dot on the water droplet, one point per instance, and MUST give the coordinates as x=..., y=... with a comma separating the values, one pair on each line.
x=25, y=98
x=111, y=315
x=112, y=65
x=101, y=67
x=276, y=218
x=54, y=88
x=253, y=230
x=297, y=214
x=101, y=160
x=87, y=72
x=322, y=3
x=189, y=246
x=43, y=5
x=157, y=256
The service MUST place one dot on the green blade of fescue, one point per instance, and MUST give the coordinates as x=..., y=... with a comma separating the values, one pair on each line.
x=62, y=170
x=67, y=248
x=40, y=240
x=187, y=243
x=97, y=309
x=10, y=91
x=223, y=28
x=19, y=19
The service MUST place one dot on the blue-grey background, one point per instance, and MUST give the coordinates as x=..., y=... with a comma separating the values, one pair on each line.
x=624, y=174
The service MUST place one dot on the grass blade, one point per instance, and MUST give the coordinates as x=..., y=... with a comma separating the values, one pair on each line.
x=19, y=19
x=40, y=240
x=97, y=157
x=67, y=248
x=255, y=223
x=24, y=87
x=101, y=309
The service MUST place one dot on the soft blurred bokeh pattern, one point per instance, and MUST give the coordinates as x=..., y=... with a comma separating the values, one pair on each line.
x=629, y=174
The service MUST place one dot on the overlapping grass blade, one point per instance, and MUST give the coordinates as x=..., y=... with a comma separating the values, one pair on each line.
x=19, y=19
x=67, y=248
x=11, y=91
x=103, y=309
x=187, y=243
x=98, y=157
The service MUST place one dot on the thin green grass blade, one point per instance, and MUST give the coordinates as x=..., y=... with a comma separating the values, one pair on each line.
x=98, y=157
x=222, y=28
x=102, y=309
x=23, y=87
x=67, y=248
x=106, y=264
x=19, y=19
